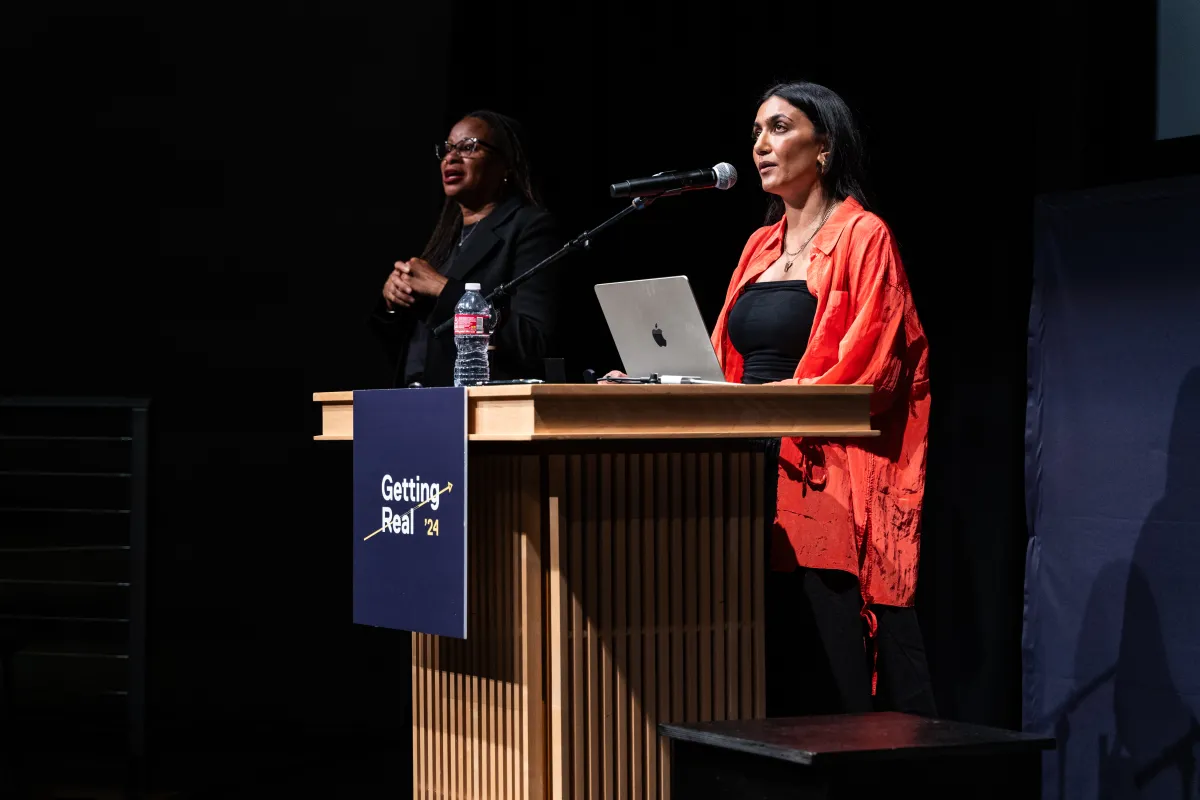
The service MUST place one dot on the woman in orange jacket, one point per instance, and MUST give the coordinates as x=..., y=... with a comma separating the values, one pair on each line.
x=820, y=297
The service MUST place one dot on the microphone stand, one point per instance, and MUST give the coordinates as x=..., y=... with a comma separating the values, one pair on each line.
x=581, y=242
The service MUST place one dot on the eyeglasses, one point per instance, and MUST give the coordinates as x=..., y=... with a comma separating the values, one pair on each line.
x=467, y=148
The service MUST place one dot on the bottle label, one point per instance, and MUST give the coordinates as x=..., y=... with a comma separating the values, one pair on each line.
x=470, y=324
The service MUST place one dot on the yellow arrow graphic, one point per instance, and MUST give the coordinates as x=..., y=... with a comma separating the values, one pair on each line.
x=449, y=486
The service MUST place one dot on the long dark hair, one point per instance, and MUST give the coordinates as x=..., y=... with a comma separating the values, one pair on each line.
x=506, y=138
x=844, y=173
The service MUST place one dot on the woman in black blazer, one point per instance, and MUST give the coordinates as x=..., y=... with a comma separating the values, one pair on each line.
x=491, y=230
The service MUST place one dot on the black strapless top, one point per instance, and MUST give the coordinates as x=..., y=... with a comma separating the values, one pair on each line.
x=769, y=325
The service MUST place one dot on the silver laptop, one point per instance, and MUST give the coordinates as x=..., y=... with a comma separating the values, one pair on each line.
x=658, y=329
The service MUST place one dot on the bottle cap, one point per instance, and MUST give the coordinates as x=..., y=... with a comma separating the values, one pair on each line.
x=473, y=287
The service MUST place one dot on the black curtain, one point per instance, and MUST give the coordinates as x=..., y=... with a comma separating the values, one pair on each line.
x=206, y=206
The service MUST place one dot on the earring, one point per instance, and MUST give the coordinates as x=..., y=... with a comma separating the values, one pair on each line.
x=824, y=166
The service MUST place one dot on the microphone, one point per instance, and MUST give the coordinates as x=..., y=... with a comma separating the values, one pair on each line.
x=722, y=176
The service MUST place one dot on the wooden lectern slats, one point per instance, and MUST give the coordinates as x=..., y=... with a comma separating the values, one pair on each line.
x=441, y=708
x=764, y=523
x=556, y=628
x=733, y=577
x=514, y=666
x=481, y=635
x=481, y=503
x=494, y=534
x=605, y=628
x=516, y=701
x=466, y=670
x=607, y=592
x=419, y=742
x=461, y=717
x=637, y=759
x=454, y=666
x=484, y=640
x=704, y=550
x=485, y=587
x=495, y=542
x=458, y=718
x=591, y=582
x=429, y=731
x=662, y=508
x=448, y=711
x=504, y=597
x=690, y=590
x=745, y=640
x=662, y=530
x=435, y=717
x=649, y=628
x=673, y=620
x=458, y=664
x=678, y=674
x=508, y=704
x=435, y=710
x=718, y=594
x=621, y=627
x=533, y=711
x=418, y=712
x=504, y=620
x=438, y=711
x=433, y=753
x=578, y=686
x=423, y=721
x=486, y=537
x=436, y=765
x=475, y=647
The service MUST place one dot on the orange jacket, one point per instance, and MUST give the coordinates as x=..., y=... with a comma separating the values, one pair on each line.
x=855, y=504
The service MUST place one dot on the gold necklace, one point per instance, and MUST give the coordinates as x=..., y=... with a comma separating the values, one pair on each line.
x=821, y=224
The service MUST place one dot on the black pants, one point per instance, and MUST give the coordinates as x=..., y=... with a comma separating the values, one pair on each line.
x=816, y=662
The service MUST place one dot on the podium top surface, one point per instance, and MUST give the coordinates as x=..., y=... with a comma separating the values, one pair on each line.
x=590, y=391
x=538, y=412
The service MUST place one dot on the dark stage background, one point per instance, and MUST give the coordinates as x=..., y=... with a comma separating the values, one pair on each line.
x=203, y=207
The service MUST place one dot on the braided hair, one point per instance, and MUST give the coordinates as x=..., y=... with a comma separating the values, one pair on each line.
x=506, y=137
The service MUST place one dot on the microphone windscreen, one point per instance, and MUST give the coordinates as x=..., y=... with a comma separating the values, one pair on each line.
x=726, y=175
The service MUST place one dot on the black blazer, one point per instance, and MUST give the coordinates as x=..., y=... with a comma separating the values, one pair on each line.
x=506, y=243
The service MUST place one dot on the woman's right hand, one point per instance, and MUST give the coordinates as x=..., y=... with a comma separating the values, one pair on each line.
x=616, y=373
x=396, y=290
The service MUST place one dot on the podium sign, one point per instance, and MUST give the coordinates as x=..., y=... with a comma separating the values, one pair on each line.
x=410, y=510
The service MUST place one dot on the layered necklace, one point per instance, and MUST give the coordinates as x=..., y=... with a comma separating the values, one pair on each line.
x=792, y=256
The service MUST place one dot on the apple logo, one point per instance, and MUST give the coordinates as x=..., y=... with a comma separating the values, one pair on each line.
x=659, y=339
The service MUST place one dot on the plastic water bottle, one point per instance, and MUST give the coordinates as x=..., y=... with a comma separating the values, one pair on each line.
x=472, y=328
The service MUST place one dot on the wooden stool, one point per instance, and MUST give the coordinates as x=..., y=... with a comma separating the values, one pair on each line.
x=852, y=755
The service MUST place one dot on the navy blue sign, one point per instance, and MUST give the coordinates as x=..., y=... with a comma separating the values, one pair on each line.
x=410, y=501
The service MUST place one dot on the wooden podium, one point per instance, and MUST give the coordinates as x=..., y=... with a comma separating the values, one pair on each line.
x=616, y=548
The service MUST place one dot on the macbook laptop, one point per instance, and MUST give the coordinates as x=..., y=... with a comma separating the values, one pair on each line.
x=658, y=329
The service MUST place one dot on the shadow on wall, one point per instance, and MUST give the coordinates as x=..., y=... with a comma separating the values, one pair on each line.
x=1160, y=641
x=1152, y=603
